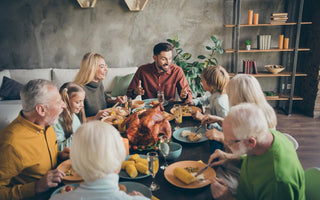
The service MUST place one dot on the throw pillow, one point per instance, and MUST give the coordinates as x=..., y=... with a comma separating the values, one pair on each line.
x=121, y=85
x=10, y=89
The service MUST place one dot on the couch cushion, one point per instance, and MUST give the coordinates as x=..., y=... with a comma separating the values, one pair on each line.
x=121, y=85
x=109, y=81
x=61, y=76
x=25, y=75
x=4, y=73
x=10, y=89
x=9, y=111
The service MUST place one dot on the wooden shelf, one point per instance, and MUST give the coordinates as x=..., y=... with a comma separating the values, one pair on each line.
x=283, y=97
x=268, y=74
x=254, y=25
x=259, y=50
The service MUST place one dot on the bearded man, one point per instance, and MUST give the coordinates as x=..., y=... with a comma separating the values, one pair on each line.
x=161, y=75
x=270, y=168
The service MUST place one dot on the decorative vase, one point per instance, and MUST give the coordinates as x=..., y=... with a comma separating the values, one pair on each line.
x=248, y=47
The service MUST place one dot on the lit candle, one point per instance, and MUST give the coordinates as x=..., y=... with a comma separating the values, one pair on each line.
x=286, y=43
x=250, y=16
x=280, y=41
x=126, y=144
x=255, y=18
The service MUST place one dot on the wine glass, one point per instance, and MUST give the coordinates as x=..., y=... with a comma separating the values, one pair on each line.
x=164, y=147
x=153, y=166
x=160, y=95
x=177, y=112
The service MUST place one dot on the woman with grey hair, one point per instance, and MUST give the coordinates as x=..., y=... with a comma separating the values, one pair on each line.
x=98, y=164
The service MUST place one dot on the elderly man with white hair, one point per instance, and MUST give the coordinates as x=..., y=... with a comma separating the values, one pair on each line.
x=270, y=168
x=28, y=145
x=98, y=163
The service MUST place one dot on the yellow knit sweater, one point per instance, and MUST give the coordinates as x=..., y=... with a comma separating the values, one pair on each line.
x=27, y=153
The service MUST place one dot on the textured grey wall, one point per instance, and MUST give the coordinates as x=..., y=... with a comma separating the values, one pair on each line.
x=56, y=33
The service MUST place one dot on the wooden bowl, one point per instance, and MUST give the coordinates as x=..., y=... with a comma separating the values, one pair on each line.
x=274, y=69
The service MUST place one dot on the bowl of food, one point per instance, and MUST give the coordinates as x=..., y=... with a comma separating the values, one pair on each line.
x=175, y=151
x=275, y=69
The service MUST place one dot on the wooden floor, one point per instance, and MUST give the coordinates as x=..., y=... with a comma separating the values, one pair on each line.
x=306, y=131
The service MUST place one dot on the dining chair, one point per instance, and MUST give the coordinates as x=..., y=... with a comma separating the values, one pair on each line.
x=294, y=141
x=312, y=180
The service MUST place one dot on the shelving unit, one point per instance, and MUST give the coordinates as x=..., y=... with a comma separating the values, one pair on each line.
x=290, y=73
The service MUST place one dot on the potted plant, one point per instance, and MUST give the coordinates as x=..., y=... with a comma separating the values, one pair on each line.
x=192, y=70
x=248, y=44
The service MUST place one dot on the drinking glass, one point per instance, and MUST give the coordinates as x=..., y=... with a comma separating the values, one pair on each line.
x=164, y=147
x=153, y=166
x=160, y=95
x=177, y=112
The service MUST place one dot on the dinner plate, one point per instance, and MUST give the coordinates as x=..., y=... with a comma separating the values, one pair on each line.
x=187, y=114
x=208, y=174
x=148, y=101
x=57, y=191
x=65, y=166
x=137, y=187
x=123, y=174
x=177, y=134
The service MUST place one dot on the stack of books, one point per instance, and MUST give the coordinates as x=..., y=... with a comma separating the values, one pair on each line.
x=250, y=67
x=264, y=42
x=277, y=18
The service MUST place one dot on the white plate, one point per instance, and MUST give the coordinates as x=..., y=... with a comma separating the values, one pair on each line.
x=57, y=191
x=147, y=102
x=177, y=134
x=137, y=187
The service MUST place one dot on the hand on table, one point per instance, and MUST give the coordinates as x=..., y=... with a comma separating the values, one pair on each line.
x=214, y=134
x=219, y=189
x=101, y=114
x=197, y=115
x=135, y=193
x=207, y=119
x=184, y=92
x=49, y=180
x=220, y=157
x=64, y=154
x=139, y=90
x=122, y=99
x=189, y=102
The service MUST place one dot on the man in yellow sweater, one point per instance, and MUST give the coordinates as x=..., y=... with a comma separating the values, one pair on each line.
x=28, y=145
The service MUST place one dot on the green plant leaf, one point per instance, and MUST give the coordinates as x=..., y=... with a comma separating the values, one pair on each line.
x=186, y=56
x=169, y=40
x=175, y=37
x=201, y=57
x=207, y=47
x=214, y=39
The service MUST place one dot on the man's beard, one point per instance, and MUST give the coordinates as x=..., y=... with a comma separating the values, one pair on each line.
x=242, y=150
x=162, y=68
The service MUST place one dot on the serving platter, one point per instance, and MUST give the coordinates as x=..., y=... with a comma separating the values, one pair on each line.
x=65, y=166
x=187, y=110
x=177, y=134
x=123, y=174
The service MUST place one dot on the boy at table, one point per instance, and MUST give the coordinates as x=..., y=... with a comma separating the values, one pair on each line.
x=270, y=168
x=28, y=145
x=161, y=75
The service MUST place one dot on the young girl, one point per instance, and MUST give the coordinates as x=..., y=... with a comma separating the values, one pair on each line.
x=214, y=81
x=73, y=95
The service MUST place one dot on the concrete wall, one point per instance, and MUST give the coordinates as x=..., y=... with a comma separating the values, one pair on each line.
x=56, y=33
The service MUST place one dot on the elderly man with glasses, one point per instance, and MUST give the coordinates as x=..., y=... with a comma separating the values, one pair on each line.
x=270, y=168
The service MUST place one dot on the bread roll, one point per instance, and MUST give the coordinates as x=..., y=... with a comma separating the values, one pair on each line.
x=183, y=175
x=142, y=160
x=134, y=157
x=131, y=171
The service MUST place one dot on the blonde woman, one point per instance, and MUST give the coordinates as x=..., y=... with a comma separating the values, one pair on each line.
x=72, y=116
x=98, y=164
x=93, y=71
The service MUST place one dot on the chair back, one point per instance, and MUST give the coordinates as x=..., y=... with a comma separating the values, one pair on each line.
x=294, y=141
x=312, y=177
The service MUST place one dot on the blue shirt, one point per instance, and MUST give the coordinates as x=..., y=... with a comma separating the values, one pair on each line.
x=105, y=188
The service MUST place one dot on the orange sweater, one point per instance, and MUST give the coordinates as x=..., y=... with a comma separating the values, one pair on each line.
x=28, y=152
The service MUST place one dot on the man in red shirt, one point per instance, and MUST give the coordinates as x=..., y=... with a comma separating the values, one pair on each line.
x=161, y=75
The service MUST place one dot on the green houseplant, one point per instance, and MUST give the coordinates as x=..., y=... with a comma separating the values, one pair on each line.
x=192, y=70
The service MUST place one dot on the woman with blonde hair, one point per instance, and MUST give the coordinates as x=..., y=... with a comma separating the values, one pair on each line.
x=93, y=71
x=72, y=116
x=98, y=164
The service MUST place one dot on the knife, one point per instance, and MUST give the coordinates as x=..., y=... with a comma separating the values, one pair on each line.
x=198, y=128
x=204, y=169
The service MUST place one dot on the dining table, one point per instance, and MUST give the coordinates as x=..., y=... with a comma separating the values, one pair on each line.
x=197, y=151
x=190, y=151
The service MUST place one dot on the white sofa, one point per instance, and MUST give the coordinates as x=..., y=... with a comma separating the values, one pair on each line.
x=9, y=109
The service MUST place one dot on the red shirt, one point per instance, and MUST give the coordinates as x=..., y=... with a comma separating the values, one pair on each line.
x=152, y=81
